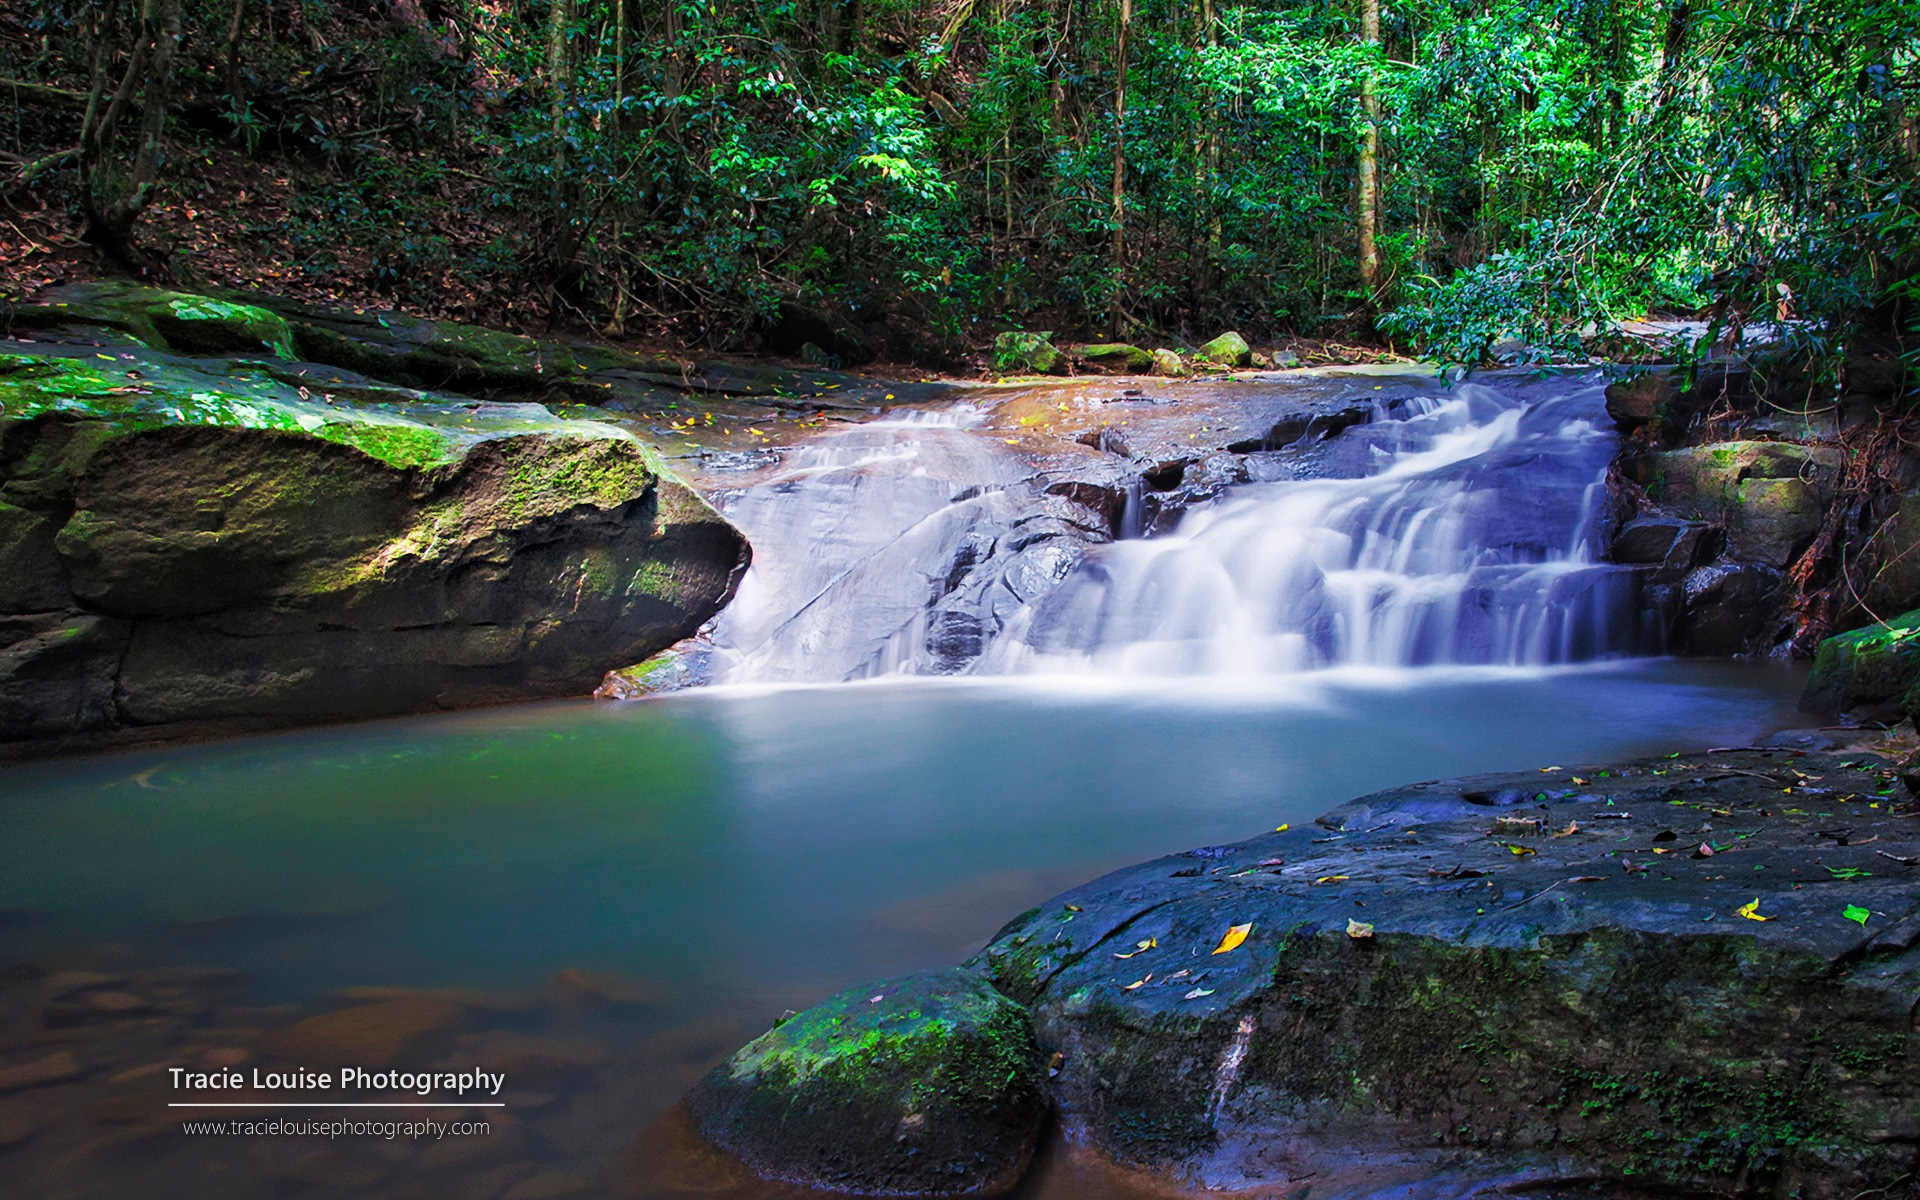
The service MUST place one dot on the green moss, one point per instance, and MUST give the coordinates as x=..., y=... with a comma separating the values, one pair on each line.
x=409, y=447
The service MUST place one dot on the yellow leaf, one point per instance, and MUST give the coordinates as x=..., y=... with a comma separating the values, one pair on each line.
x=1138, y=983
x=1073, y=908
x=1233, y=938
x=1283, y=827
x=1329, y=879
x=1578, y=780
x=1752, y=911
x=1140, y=948
x=1358, y=929
x=1521, y=850
x=1544, y=770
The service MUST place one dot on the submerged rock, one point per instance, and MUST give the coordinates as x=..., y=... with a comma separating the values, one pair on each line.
x=185, y=541
x=1695, y=972
x=925, y=1085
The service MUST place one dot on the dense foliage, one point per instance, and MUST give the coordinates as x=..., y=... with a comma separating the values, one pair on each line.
x=832, y=169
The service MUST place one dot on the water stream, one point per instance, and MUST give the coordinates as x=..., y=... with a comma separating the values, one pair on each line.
x=1414, y=598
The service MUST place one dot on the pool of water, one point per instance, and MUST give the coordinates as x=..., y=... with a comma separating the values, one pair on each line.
x=722, y=855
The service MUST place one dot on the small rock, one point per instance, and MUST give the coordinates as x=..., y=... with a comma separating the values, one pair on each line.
x=925, y=1085
x=479, y=999
x=115, y=1003
x=1169, y=363
x=371, y=1035
x=51, y=1069
x=1227, y=350
x=603, y=988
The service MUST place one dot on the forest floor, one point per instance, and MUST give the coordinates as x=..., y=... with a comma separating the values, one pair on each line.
x=235, y=221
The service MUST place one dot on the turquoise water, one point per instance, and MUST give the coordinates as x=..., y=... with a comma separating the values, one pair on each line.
x=737, y=853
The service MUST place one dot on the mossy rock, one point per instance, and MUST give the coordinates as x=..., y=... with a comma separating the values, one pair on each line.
x=162, y=319
x=1227, y=350
x=1117, y=357
x=1027, y=354
x=1771, y=497
x=1875, y=666
x=925, y=1085
x=189, y=542
x=1170, y=364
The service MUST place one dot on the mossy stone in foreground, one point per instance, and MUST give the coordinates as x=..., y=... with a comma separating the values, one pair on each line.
x=925, y=1085
x=1026, y=354
x=1877, y=665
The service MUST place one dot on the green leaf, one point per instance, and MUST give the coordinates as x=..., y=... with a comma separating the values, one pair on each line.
x=1849, y=872
x=1856, y=913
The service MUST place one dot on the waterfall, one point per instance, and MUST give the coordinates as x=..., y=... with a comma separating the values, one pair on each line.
x=1464, y=532
x=1456, y=528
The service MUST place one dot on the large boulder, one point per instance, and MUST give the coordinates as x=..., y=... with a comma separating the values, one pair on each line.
x=1871, y=671
x=184, y=542
x=1227, y=350
x=1695, y=972
x=925, y=1085
x=1771, y=497
x=161, y=319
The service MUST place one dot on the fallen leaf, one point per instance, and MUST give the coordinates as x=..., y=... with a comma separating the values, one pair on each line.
x=1140, y=948
x=1358, y=929
x=1138, y=983
x=1233, y=938
x=1329, y=879
x=1521, y=850
x=1751, y=911
x=1855, y=913
x=1572, y=828
x=1283, y=827
x=1848, y=872
x=1073, y=908
x=1180, y=974
x=1196, y=993
x=1578, y=780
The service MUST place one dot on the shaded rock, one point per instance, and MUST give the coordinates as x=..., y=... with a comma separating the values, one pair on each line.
x=478, y=999
x=1561, y=989
x=1027, y=354
x=368, y=1035
x=1169, y=363
x=1871, y=669
x=1728, y=609
x=1115, y=357
x=924, y=1085
x=161, y=319
x=1668, y=398
x=1894, y=583
x=1227, y=350
x=1660, y=540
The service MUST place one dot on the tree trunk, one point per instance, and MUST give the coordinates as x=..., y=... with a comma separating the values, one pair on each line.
x=112, y=201
x=1369, y=189
x=560, y=83
x=1120, y=165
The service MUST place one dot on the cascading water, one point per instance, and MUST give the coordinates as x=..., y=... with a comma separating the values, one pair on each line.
x=1458, y=527
x=1465, y=533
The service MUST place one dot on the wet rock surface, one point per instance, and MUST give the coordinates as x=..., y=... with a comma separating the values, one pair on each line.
x=1696, y=971
x=194, y=543
x=924, y=1085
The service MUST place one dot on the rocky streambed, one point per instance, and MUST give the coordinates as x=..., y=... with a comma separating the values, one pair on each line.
x=1696, y=972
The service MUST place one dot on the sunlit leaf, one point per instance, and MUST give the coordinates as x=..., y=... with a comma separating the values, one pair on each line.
x=1140, y=948
x=1233, y=938
x=1358, y=929
x=1751, y=911
x=1855, y=913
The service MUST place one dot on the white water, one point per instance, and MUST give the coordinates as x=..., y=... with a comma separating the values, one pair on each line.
x=1462, y=529
x=1470, y=539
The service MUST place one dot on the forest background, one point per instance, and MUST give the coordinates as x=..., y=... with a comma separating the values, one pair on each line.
x=901, y=179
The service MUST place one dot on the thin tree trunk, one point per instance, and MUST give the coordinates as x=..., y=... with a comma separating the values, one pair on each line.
x=1120, y=164
x=1369, y=189
x=560, y=83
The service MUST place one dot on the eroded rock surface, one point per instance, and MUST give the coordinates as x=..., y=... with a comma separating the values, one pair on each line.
x=1697, y=971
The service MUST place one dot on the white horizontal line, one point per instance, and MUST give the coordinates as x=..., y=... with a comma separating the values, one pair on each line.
x=235, y=1104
